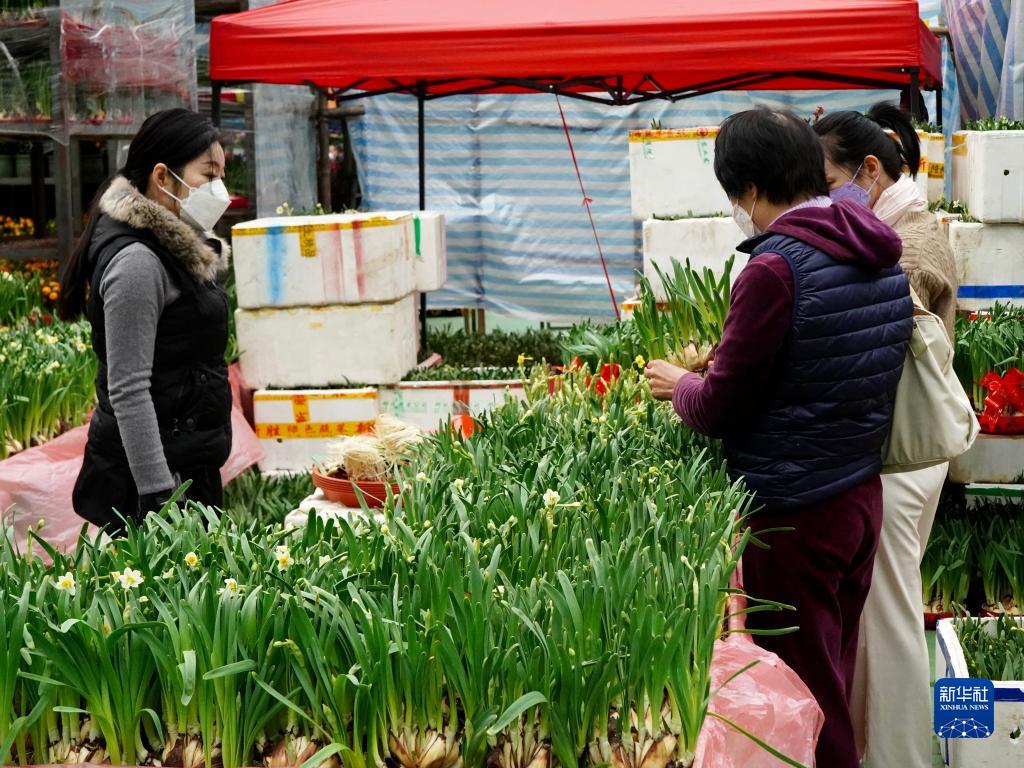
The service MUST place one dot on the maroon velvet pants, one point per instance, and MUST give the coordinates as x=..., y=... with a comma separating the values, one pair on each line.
x=822, y=568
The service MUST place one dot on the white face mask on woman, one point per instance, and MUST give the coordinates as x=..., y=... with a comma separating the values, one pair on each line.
x=204, y=205
x=744, y=220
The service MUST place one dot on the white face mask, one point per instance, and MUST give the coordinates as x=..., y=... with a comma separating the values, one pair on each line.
x=744, y=220
x=204, y=205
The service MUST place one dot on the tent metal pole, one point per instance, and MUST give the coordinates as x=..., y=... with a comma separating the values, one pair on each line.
x=421, y=101
x=323, y=141
x=938, y=106
x=915, y=94
x=215, y=90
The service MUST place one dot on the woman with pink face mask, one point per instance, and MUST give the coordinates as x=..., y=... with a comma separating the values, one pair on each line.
x=866, y=164
x=144, y=274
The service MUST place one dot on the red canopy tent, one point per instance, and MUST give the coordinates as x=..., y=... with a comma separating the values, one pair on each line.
x=604, y=49
x=607, y=51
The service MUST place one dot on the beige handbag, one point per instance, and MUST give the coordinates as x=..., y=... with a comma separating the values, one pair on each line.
x=933, y=419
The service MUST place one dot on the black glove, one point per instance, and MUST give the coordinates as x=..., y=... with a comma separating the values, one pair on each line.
x=152, y=502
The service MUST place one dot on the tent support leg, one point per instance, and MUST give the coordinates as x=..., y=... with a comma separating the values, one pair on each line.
x=323, y=141
x=915, y=95
x=421, y=101
x=938, y=107
x=215, y=88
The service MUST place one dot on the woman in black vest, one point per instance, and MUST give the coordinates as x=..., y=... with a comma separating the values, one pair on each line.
x=144, y=274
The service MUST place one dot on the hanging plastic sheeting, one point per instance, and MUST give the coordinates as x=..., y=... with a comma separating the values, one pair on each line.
x=117, y=61
x=36, y=484
x=498, y=167
x=989, y=56
x=285, y=144
x=1011, y=91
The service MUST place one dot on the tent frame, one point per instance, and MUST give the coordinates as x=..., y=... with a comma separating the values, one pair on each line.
x=601, y=89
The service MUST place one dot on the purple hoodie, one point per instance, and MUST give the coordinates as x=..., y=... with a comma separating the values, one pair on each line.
x=761, y=310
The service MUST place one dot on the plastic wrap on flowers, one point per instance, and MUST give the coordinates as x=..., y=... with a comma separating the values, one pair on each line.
x=1004, y=404
x=122, y=60
x=769, y=700
x=36, y=484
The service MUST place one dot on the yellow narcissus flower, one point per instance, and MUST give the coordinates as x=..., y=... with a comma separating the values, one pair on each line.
x=192, y=560
x=66, y=583
x=640, y=362
x=459, y=484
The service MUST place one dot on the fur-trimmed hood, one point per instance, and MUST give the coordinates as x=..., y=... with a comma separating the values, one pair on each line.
x=124, y=203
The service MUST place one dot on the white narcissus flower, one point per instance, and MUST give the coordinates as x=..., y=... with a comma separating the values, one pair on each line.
x=551, y=498
x=384, y=529
x=192, y=560
x=284, y=560
x=282, y=549
x=324, y=560
x=459, y=484
x=66, y=583
x=231, y=586
x=130, y=579
x=421, y=477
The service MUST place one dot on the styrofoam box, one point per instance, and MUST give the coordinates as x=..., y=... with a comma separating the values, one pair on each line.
x=327, y=346
x=992, y=459
x=328, y=510
x=295, y=426
x=671, y=173
x=432, y=404
x=705, y=242
x=1001, y=749
x=922, y=169
x=429, y=249
x=989, y=262
x=988, y=174
x=936, y=162
x=319, y=260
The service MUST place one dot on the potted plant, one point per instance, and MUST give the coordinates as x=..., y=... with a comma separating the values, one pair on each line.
x=359, y=468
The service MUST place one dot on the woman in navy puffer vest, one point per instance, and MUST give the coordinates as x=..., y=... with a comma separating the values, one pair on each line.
x=801, y=394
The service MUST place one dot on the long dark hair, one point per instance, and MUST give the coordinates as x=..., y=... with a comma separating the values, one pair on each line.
x=174, y=137
x=849, y=137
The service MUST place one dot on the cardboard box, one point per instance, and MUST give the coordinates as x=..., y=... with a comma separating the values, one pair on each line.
x=316, y=347
x=671, y=173
x=705, y=242
x=296, y=426
x=1004, y=748
x=988, y=174
x=322, y=260
x=990, y=263
x=430, y=405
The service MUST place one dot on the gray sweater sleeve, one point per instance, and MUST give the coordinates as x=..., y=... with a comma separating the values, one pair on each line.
x=135, y=289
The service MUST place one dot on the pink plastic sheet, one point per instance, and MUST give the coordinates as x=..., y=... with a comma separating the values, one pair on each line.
x=769, y=700
x=36, y=484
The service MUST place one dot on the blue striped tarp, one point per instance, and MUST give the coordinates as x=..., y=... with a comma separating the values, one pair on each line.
x=519, y=240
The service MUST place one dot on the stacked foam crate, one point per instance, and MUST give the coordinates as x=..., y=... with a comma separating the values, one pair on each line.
x=325, y=301
x=686, y=215
x=988, y=177
x=1002, y=747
